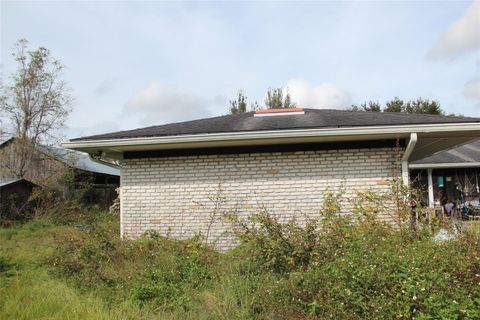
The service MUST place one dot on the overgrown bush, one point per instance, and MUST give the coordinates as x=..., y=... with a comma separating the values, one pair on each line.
x=336, y=267
x=356, y=267
x=14, y=207
x=50, y=205
x=375, y=277
x=152, y=270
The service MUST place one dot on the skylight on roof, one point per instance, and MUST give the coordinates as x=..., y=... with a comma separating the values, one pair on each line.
x=278, y=112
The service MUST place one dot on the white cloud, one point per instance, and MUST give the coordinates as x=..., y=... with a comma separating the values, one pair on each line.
x=321, y=96
x=472, y=89
x=462, y=36
x=159, y=103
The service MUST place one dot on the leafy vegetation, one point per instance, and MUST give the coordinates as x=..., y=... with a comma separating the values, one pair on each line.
x=239, y=105
x=338, y=267
x=276, y=98
x=416, y=106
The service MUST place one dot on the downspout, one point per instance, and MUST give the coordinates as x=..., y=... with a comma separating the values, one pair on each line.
x=406, y=155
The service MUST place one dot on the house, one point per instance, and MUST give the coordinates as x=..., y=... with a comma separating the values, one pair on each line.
x=177, y=177
x=14, y=194
x=450, y=174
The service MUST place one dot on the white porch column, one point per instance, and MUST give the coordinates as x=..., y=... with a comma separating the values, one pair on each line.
x=430, y=188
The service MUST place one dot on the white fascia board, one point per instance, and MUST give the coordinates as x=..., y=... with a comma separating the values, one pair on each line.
x=401, y=131
x=445, y=165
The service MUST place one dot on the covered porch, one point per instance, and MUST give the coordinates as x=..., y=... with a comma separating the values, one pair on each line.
x=450, y=179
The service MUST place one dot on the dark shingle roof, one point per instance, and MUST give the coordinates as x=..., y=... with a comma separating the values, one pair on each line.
x=312, y=119
x=469, y=152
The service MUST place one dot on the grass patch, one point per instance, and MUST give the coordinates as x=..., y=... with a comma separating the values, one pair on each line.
x=29, y=288
x=33, y=294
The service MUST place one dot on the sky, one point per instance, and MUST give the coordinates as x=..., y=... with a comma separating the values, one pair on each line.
x=136, y=64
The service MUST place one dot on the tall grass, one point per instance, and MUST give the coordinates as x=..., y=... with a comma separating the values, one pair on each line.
x=33, y=294
x=29, y=290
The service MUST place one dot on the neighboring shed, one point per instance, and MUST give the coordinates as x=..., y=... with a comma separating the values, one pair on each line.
x=47, y=164
x=176, y=176
x=73, y=172
x=14, y=194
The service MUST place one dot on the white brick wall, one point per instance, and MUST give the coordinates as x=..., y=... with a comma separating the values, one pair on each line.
x=176, y=195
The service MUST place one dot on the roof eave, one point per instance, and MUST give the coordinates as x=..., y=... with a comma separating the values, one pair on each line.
x=471, y=130
x=444, y=165
x=273, y=134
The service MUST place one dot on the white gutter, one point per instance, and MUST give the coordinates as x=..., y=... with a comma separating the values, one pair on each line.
x=402, y=130
x=406, y=155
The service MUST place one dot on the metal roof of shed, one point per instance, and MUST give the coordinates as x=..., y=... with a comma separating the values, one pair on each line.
x=80, y=160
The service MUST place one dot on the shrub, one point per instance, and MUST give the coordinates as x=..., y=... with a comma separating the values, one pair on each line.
x=286, y=247
x=170, y=281
x=51, y=206
x=152, y=270
x=336, y=267
x=362, y=270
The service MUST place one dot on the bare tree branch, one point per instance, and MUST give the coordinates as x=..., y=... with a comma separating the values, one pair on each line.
x=36, y=102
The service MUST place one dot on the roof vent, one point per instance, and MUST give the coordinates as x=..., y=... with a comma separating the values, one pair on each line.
x=278, y=112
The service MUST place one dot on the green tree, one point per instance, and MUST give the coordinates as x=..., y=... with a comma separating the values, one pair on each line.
x=394, y=105
x=372, y=106
x=417, y=106
x=424, y=106
x=276, y=100
x=239, y=105
x=36, y=102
